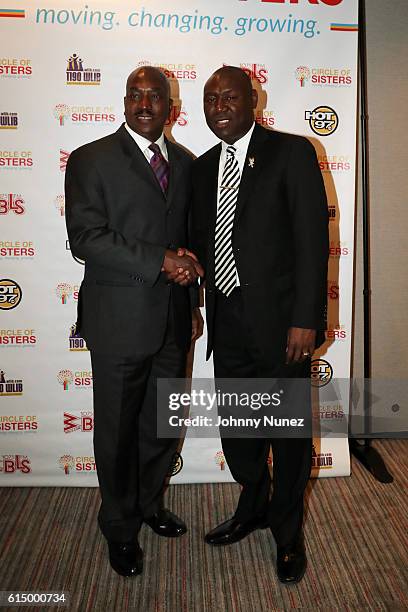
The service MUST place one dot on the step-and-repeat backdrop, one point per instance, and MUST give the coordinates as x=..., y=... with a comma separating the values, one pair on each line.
x=63, y=68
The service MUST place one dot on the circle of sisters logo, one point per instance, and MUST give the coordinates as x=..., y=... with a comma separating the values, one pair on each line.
x=323, y=120
x=220, y=460
x=63, y=291
x=59, y=204
x=10, y=294
x=61, y=111
x=302, y=74
x=66, y=462
x=65, y=378
x=321, y=373
x=176, y=464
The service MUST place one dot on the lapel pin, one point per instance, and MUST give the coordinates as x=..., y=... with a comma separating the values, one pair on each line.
x=251, y=162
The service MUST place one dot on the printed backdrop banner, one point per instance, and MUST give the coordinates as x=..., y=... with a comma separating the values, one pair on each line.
x=63, y=69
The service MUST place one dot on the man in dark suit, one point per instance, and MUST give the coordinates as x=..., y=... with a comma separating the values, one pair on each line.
x=127, y=207
x=260, y=230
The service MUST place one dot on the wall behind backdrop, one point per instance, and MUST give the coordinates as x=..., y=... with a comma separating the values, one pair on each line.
x=63, y=71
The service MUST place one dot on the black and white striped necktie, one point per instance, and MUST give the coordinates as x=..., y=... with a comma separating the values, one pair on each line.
x=225, y=269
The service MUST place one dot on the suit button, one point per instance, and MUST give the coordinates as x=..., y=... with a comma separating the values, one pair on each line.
x=171, y=246
x=169, y=211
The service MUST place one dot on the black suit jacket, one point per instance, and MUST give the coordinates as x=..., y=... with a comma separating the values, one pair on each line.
x=120, y=223
x=280, y=236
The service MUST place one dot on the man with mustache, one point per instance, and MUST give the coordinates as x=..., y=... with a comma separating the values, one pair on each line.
x=127, y=206
x=260, y=228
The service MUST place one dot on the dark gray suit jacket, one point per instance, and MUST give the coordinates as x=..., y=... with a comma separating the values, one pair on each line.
x=280, y=236
x=120, y=223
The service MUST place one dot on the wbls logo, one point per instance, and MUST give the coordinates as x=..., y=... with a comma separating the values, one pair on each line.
x=9, y=387
x=178, y=115
x=11, y=202
x=78, y=75
x=10, y=464
x=82, y=422
x=256, y=72
x=8, y=121
x=63, y=159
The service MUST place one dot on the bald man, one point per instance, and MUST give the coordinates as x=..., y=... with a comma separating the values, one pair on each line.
x=127, y=203
x=260, y=230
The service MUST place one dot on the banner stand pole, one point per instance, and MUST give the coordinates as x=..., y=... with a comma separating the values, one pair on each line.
x=363, y=451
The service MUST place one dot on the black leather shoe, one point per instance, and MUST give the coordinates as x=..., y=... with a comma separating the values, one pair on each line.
x=166, y=524
x=233, y=531
x=291, y=562
x=126, y=559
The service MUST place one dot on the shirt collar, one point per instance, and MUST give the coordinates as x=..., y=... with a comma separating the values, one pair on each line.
x=242, y=144
x=144, y=143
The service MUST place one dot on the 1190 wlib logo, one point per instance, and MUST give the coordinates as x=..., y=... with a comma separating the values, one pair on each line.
x=78, y=75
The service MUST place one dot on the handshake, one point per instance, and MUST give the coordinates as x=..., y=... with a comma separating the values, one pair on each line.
x=182, y=267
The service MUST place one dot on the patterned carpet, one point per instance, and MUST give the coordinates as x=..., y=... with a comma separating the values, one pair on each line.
x=356, y=537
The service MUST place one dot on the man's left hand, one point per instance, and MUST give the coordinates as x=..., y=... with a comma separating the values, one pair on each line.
x=197, y=325
x=301, y=344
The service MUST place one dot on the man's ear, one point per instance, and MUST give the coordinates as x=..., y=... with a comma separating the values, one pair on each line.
x=170, y=104
x=254, y=98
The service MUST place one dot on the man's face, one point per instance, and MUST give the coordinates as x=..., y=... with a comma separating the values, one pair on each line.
x=228, y=105
x=147, y=103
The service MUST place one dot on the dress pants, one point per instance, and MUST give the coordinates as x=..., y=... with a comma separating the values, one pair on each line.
x=237, y=356
x=132, y=463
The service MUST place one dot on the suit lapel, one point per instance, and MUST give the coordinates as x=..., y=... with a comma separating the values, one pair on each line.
x=137, y=160
x=211, y=196
x=255, y=158
x=175, y=171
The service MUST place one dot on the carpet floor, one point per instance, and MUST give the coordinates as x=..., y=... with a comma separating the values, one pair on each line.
x=356, y=532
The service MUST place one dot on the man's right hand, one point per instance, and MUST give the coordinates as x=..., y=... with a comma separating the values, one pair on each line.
x=181, y=267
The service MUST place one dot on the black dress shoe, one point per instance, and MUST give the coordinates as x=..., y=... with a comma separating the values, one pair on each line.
x=126, y=559
x=291, y=562
x=233, y=531
x=166, y=524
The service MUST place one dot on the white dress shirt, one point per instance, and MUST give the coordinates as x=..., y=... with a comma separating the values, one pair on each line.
x=144, y=144
x=241, y=146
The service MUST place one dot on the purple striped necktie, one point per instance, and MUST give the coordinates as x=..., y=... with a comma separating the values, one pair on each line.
x=160, y=167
